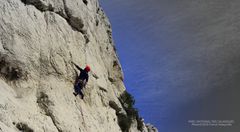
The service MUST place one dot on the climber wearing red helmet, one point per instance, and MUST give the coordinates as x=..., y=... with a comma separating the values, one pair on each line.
x=82, y=80
x=87, y=68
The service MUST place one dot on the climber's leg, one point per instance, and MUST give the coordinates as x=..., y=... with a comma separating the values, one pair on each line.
x=81, y=94
x=77, y=89
x=81, y=88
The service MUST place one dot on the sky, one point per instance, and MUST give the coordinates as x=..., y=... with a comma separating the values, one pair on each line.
x=180, y=59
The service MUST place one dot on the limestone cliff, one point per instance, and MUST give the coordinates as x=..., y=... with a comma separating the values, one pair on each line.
x=38, y=41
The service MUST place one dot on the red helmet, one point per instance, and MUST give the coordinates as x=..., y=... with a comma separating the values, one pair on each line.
x=87, y=68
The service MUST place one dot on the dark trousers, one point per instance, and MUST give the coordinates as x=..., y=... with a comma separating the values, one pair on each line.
x=78, y=87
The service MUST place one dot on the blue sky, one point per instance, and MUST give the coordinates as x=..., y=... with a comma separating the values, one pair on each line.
x=180, y=59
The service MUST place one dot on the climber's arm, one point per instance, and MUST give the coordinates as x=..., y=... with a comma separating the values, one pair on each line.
x=79, y=68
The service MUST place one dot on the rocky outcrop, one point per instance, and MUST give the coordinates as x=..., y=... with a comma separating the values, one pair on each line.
x=151, y=128
x=38, y=41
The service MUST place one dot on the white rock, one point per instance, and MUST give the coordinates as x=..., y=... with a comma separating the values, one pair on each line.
x=38, y=41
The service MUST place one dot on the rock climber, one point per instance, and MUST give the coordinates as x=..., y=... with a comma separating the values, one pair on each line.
x=82, y=80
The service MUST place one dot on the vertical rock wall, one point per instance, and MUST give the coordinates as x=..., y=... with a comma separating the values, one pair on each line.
x=38, y=41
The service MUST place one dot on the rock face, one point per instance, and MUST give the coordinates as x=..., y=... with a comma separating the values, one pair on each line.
x=38, y=41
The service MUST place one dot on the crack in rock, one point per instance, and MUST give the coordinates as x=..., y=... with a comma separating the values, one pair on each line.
x=11, y=69
x=39, y=5
x=23, y=127
x=44, y=103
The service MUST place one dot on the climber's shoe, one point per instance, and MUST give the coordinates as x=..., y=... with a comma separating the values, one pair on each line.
x=75, y=94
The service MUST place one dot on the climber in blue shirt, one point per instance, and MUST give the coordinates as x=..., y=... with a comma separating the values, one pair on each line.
x=82, y=80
